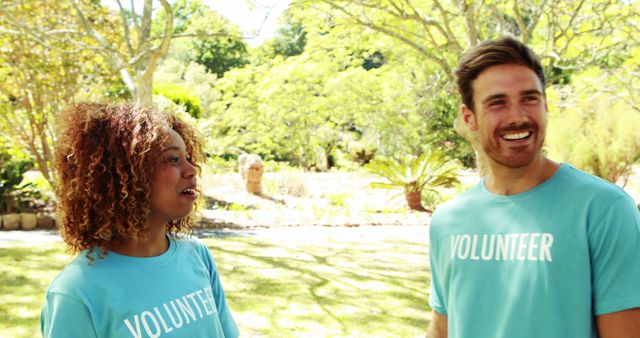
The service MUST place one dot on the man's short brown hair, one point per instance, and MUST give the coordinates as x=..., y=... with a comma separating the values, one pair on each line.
x=502, y=51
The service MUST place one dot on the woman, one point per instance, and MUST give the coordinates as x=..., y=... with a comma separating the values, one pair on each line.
x=126, y=191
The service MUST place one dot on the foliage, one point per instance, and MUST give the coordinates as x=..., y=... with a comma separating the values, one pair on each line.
x=194, y=77
x=594, y=128
x=338, y=199
x=341, y=82
x=290, y=38
x=437, y=33
x=312, y=108
x=145, y=37
x=425, y=173
x=205, y=37
x=441, y=31
x=42, y=70
x=441, y=134
x=14, y=196
x=181, y=96
x=221, y=54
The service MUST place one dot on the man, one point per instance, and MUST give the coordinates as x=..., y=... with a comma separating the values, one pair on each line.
x=537, y=249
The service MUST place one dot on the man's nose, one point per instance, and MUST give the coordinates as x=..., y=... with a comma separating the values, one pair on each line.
x=516, y=113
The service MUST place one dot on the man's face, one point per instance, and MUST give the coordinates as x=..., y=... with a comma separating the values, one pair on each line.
x=510, y=114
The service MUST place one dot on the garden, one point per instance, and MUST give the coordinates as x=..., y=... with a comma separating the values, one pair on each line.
x=328, y=145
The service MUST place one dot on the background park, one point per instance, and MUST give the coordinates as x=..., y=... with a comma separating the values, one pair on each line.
x=351, y=106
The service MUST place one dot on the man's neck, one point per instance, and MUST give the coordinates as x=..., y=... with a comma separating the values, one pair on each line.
x=510, y=181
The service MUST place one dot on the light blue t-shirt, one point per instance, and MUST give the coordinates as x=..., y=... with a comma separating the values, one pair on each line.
x=541, y=263
x=176, y=294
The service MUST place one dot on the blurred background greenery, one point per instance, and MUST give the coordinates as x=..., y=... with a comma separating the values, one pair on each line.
x=340, y=83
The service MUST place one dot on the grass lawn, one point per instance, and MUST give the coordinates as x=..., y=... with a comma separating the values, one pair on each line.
x=25, y=273
x=277, y=286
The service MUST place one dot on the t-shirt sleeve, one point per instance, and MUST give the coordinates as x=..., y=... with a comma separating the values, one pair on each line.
x=224, y=313
x=436, y=299
x=65, y=317
x=614, y=239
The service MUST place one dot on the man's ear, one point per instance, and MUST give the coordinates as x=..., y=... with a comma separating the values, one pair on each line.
x=469, y=118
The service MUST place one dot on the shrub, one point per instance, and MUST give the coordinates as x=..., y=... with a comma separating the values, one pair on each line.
x=593, y=128
x=416, y=175
x=14, y=196
x=181, y=96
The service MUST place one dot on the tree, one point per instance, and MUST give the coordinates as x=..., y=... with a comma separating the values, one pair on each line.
x=348, y=95
x=290, y=38
x=41, y=72
x=143, y=48
x=563, y=32
x=220, y=55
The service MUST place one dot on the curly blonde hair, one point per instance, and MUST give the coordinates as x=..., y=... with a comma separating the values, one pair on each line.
x=105, y=156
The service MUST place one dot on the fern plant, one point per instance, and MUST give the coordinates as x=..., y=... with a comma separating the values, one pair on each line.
x=425, y=173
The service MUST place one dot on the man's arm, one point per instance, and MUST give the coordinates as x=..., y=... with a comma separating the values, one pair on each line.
x=438, y=326
x=621, y=324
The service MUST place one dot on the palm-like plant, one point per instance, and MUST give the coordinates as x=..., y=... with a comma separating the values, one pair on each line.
x=427, y=172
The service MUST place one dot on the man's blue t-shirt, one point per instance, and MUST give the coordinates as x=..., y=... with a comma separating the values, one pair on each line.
x=176, y=294
x=541, y=263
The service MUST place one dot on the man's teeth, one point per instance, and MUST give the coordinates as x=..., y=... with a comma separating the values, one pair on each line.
x=189, y=191
x=516, y=136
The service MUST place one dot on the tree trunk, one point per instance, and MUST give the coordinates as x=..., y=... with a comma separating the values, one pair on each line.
x=414, y=200
x=144, y=89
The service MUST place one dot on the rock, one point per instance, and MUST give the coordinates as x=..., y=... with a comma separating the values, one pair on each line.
x=46, y=221
x=251, y=169
x=28, y=221
x=11, y=221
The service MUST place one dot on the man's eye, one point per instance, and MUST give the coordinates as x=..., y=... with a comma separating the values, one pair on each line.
x=530, y=99
x=496, y=103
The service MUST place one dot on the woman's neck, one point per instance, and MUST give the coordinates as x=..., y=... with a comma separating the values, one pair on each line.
x=155, y=244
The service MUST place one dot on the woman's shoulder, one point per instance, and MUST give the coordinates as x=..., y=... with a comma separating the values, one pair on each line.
x=74, y=277
x=191, y=244
x=187, y=242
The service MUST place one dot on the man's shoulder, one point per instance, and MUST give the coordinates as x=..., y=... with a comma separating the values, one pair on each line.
x=463, y=202
x=588, y=185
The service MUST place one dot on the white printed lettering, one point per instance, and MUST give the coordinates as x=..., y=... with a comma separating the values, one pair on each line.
x=545, y=247
x=464, y=243
x=164, y=324
x=137, y=332
x=173, y=321
x=145, y=323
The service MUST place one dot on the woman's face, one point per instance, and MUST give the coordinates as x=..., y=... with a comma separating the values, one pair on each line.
x=173, y=183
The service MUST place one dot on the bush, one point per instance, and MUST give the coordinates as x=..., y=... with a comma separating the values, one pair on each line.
x=416, y=175
x=594, y=130
x=14, y=196
x=181, y=96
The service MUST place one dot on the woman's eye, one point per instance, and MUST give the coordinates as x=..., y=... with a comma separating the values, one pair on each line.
x=174, y=160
